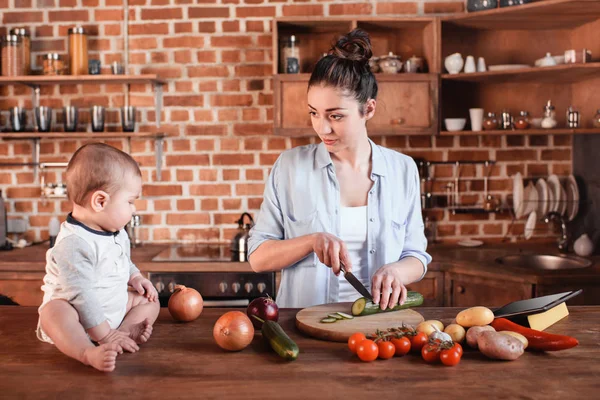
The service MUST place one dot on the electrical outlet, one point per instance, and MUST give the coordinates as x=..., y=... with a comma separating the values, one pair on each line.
x=17, y=225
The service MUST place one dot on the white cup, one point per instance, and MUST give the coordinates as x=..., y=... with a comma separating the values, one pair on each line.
x=481, y=67
x=476, y=115
x=470, y=65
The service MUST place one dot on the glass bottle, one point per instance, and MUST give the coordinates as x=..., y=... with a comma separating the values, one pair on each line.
x=291, y=56
x=522, y=121
x=78, y=51
x=490, y=122
x=12, y=56
x=596, y=120
x=26, y=48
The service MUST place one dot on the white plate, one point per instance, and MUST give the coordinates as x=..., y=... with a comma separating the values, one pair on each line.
x=572, y=198
x=518, y=194
x=507, y=67
x=530, y=225
x=562, y=209
x=554, y=187
x=470, y=243
x=542, y=189
x=531, y=199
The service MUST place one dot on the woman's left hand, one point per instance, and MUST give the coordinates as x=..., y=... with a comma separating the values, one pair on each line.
x=388, y=287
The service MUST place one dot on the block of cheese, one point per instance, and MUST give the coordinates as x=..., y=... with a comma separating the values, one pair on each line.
x=545, y=319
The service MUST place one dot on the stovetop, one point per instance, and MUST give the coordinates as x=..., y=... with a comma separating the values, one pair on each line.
x=218, y=252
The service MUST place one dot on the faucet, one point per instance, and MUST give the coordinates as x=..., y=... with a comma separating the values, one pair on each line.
x=564, y=239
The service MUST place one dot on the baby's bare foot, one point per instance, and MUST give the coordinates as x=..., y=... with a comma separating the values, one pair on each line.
x=140, y=332
x=103, y=357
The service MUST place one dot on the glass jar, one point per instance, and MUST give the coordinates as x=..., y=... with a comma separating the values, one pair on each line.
x=12, y=56
x=490, y=122
x=53, y=64
x=479, y=5
x=596, y=120
x=522, y=121
x=390, y=64
x=78, y=51
x=26, y=48
x=291, y=56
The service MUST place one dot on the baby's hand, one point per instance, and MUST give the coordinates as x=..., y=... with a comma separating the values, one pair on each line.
x=144, y=287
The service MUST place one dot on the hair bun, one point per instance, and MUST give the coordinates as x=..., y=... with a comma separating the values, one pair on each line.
x=354, y=46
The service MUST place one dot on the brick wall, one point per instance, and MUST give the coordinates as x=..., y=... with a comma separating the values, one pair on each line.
x=216, y=55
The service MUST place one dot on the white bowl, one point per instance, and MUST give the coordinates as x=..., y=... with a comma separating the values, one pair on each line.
x=455, y=124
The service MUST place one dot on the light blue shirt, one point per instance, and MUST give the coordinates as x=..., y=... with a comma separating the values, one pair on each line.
x=302, y=196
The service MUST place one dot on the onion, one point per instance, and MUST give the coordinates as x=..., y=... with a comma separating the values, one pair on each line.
x=233, y=331
x=264, y=308
x=185, y=304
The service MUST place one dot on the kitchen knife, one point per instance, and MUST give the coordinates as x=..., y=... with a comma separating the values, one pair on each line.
x=356, y=284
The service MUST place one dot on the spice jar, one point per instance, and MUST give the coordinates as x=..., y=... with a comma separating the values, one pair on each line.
x=549, y=120
x=53, y=64
x=596, y=120
x=78, y=51
x=291, y=56
x=490, y=122
x=12, y=56
x=26, y=47
x=522, y=121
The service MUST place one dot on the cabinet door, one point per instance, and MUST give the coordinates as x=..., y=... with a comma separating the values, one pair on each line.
x=405, y=106
x=469, y=291
x=291, y=116
x=431, y=287
x=22, y=292
x=589, y=297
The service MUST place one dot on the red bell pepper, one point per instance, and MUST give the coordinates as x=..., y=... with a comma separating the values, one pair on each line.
x=538, y=340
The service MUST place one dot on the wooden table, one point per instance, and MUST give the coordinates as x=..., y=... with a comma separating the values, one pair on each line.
x=183, y=361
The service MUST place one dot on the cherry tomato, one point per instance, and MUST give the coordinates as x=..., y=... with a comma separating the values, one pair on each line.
x=458, y=348
x=367, y=350
x=418, y=341
x=386, y=349
x=431, y=352
x=402, y=346
x=355, y=339
x=450, y=356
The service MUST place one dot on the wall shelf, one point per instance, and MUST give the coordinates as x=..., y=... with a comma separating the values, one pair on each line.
x=555, y=131
x=39, y=80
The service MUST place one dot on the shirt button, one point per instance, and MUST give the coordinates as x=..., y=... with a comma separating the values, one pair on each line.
x=371, y=192
x=371, y=219
x=372, y=251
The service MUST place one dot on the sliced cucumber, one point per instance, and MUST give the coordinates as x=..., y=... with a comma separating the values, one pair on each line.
x=344, y=315
x=336, y=316
x=329, y=320
x=364, y=307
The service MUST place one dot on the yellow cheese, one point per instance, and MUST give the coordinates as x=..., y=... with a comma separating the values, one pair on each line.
x=543, y=320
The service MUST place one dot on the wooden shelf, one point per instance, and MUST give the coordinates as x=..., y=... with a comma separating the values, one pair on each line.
x=563, y=73
x=540, y=15
x=81, y=135
x=39, y=80
x=381, y=77
x=555, y=131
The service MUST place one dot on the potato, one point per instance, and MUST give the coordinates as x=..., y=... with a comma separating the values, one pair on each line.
x=475, y=316
x=522, y=338
x=500, y=346
x=456, y=332
x=427, y=326
x=474, y=332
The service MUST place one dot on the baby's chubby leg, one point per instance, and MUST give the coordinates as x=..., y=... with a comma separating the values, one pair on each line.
x=60, y=322
x=141, y=314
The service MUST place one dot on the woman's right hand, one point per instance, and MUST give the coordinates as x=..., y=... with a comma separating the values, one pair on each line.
x=331, y=250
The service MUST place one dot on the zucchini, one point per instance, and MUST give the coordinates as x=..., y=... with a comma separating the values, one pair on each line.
x=279, y=340
x=362, y=306
x=329, y=320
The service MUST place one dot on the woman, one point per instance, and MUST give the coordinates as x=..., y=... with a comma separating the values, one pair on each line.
x=345, y=201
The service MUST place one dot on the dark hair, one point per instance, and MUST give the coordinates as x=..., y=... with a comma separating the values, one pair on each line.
x=347, y=67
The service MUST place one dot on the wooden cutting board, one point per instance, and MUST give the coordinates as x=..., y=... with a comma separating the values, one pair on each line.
x=308, y=321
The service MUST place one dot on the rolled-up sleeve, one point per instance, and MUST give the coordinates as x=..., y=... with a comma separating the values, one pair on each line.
x=415, y=244
x=269, y=222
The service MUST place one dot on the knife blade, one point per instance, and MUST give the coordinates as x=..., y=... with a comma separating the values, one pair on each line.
x=356, y=284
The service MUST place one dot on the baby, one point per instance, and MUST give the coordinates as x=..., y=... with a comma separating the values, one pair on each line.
x=88, y=271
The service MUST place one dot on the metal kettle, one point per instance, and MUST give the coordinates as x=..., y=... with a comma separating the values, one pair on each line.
x=239, y=245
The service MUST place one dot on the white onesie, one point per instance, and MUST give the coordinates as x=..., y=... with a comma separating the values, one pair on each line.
x=89, y=269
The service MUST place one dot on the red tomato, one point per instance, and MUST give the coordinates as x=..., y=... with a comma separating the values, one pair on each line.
x=458, y=348
x=402, y=346
x=431, y=352
x=418, y=341
x=355, y=339
x=450, y=356
x=367, y=350
x=386, y=350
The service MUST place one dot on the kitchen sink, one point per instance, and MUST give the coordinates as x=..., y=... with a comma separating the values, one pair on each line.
x=543, y=261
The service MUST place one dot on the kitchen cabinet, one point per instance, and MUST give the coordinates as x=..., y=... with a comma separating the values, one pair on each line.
x=22, y=288
x=431, y=287
x=589, y=296
x=468, y=291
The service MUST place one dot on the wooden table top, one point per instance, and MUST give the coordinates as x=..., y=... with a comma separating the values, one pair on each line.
x=183, y=361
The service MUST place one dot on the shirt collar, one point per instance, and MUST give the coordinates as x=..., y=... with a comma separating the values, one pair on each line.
x=378, y=167
x=72, y=220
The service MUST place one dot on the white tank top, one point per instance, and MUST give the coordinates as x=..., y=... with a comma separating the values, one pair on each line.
x=354, y=233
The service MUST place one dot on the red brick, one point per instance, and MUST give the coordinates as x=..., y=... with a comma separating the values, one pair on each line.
x=22, y=17
x=162, y=205
x=254, y=203
x=256, y=56
x=227, y=115
x=162, y=13
x=230, y=26
x=350, y=9
x=184, y=175
x=208, y=12
x=208, y=175
x=186, y=205
x=179, y=115
x=149, y=29
x=108, y=15
x=162, y=190
x=397, y=8
x=182, y=56
x=443, y=7
x=206, y=27
x=493, y=229
x=231, y=218
x=203, y=115
x=204, y=144
x=229, y=144
x=187, y=159
x=112, y=29
x=184, y=41
x=88, y=3
x=184, y=101
x=251, y=114
x=188, y=219
x=253, y=70
x=268, y=159
x=232, y=204
x=231, y=41
x=233, y=159
x=71, y=15
x=181, y=144
x=210, y=190
x=231, y=174
x=254, y=175
x=469, y=229
x=161, y=234
x=209, y=204
x=265, y=99
x=164, y=72
x=233, y=56
x=303, y=10
x=231, y=86
x=198, y=235
x=253, y=129
x=245, y=189
x=184, y=27
x=207, y=56
x=212, y=71
x=223, y=100
x=558, y=155
x=255, y=26
x=246, y=12
x=23, y=206
x=18, y=4
x=142, y=43
x=516, y=155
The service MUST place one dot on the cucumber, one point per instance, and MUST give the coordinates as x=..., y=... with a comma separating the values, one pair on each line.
x=279, y=340
x=336, y=316
x=344, y=315
x=362, y=306
x=329, y=320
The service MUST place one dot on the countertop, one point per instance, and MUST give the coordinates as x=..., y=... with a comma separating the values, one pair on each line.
x=182, y=361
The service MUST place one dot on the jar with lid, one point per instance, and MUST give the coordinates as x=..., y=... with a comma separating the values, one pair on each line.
x=291, y=56
x=53, y=64
x=596, y=120
x=78, y=51
x=490, y=122
x=549, y=120
x=26, y=47
x=522, y=121
x=12, y=56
